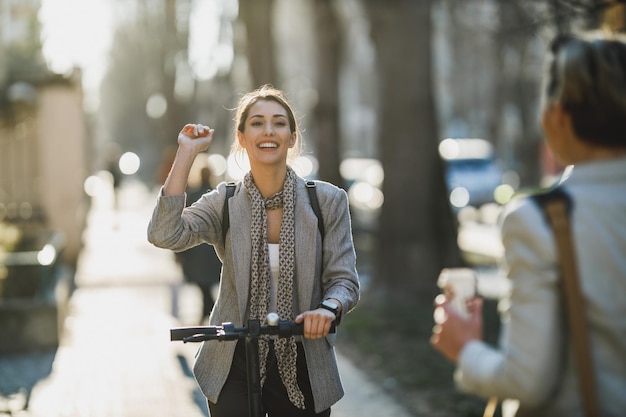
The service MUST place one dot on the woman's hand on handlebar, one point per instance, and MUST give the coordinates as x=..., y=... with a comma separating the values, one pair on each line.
x=317, y=322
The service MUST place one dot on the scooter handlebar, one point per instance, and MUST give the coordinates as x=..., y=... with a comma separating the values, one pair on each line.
x=227, y=331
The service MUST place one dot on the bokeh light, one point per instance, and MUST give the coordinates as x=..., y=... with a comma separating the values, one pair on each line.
x=466, y=148
x=217, y=164
x=237, y=166
x=354, y=168
x=305, y=166
x=25, y=210
x=503, y=193
x=366, y=196
x=46, y=255
x=129, y=163
x=449, y=149
x=156, y=106
x=92, y=185
x=459, y=197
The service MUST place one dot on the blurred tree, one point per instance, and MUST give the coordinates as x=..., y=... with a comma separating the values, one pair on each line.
x=174, y=59
x=256, y=16
x=417, y=232
x=515, y=90
x=491, y=68
x=21, y=60
x=326, y=113
x=140, y=106
x=519, y=66
x=124, y=94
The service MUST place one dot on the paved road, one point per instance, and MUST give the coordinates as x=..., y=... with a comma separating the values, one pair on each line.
x=115, y=359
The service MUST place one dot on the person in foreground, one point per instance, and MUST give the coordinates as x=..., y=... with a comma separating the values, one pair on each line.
x=583, y=117
x=274, y=260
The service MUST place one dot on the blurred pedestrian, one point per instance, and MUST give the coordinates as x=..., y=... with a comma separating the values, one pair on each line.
x=275, y=260
x=583, y=117
x=200, y=264
x=112, y=154
x=112, y=165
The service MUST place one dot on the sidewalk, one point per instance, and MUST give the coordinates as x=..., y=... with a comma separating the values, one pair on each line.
x=116, y=359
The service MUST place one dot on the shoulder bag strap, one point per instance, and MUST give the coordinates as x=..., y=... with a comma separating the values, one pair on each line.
x=556, y=205
x=557, y=212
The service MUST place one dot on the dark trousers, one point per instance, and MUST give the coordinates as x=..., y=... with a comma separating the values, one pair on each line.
x=233, y=399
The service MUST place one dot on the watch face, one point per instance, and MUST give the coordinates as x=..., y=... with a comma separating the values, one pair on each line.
x=330, y=305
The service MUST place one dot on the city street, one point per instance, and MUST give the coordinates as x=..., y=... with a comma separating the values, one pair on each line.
x=115, y=358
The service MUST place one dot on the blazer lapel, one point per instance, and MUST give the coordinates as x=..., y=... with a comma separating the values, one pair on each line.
x=240, y=246
x=307, y=237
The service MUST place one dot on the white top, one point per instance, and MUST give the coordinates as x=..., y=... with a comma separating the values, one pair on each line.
x=273, y=251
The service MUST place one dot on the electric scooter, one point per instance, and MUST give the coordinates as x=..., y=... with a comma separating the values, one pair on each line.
x=250, y=333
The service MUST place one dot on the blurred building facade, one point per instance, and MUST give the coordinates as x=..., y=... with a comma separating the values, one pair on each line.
x=42, y=134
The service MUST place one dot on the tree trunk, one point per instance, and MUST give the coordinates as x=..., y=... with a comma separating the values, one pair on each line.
x=417, y=233
x=256, y=15
x=326, y=133
x=517, y=87
x=174, y=43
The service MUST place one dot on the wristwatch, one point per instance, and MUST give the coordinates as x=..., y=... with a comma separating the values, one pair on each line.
x=330, y=306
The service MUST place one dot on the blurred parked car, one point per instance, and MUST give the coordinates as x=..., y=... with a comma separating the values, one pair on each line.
x=472, y=171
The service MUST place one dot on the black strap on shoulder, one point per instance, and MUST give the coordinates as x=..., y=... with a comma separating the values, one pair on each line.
x=554, y=194
x=310, y=186
x=230, y=191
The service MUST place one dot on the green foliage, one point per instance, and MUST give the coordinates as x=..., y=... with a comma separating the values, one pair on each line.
x=10, y=236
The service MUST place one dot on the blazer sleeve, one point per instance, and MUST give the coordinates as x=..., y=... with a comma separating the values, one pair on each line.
x=176, y=227
x=339, y=275
x=526, y=364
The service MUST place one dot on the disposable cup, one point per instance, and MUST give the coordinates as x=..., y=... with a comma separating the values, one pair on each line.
x=459, y=285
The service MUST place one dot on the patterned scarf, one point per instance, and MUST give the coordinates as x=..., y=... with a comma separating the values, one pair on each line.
x=285, y=348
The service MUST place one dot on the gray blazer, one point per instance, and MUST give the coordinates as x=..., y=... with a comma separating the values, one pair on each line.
x=328, y=272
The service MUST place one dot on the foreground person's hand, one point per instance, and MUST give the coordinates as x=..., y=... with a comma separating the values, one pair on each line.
x=451, y=331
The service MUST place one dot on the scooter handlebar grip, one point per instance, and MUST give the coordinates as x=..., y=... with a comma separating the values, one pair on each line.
x=181, y=333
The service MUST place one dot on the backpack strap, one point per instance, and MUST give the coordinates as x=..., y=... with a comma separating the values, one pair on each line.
x=311, y=188
x=230, y=191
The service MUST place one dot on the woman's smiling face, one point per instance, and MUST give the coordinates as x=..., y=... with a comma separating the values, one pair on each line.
x=266, y=136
